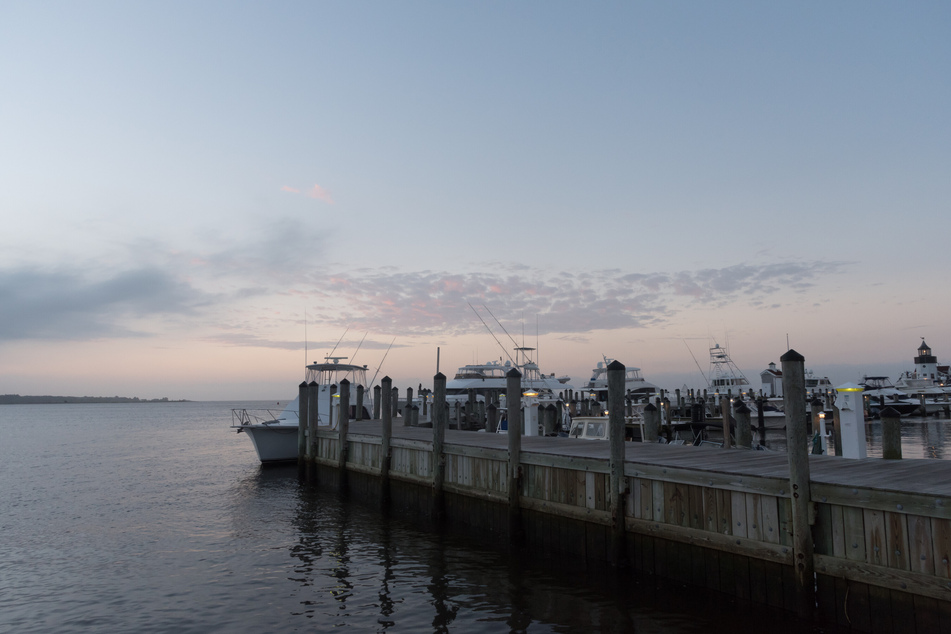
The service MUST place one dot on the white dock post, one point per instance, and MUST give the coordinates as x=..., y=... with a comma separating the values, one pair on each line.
x=851, y=420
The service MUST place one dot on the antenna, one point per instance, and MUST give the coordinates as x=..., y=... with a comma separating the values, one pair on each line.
x=787, y=342
x=305, y=339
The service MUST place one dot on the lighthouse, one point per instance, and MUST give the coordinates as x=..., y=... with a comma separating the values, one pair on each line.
x=926, y=364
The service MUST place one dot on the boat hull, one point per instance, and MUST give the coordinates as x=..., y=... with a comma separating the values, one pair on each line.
x=274, y=443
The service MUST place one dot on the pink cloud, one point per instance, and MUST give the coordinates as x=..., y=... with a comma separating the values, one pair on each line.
x=320, y=193
x=290, y=189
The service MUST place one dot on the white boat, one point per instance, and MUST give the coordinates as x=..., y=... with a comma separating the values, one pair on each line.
x=490, y=378
x=880, y=393
x=634, y=384
x=724, y=376
x=275, y=437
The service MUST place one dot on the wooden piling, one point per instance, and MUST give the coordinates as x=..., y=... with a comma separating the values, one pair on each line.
x=343, y=424
x=358, y=413
x=794, y=404
x=312, y=419
x=408, y=408
x=651, y=423
x=377, y=401
x=615, y=372
x=439, y=436
x=725, y=413
x=386, y=442
x=302, y=420
x=891, y=434
x=744, y=433
x=492, y=418
x=513, y=404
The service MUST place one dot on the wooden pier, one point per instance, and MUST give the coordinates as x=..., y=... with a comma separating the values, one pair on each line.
x=876, y=533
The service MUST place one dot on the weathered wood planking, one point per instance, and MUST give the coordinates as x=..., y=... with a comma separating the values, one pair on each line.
x=882, y=529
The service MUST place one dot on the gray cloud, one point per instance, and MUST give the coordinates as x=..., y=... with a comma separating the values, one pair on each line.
x=428, y=302
x=60, y=305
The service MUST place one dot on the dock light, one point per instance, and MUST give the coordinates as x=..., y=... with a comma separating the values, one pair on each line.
x=530, y=394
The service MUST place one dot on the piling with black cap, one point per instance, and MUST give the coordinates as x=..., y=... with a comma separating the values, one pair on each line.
x=343, y=425
x=615, y=372
x=302, y=420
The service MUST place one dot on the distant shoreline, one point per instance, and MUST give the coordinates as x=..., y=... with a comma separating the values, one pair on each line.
x=16, y=399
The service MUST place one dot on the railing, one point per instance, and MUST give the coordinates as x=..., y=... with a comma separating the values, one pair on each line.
x=241, y=417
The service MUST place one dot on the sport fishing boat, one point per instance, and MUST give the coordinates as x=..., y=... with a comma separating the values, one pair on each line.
x=491, y=378
x=634, y=384
x=724, y=376
x=275, y=437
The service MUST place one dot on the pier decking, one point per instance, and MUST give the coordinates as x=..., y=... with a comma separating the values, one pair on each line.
x=720, y=519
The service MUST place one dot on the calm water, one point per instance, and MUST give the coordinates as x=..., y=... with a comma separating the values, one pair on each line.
x=157, y=518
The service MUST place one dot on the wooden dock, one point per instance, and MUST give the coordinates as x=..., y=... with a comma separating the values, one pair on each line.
x=867, y=546
x=704, y=516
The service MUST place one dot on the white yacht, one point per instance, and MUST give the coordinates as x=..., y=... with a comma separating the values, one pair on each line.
x=724, y=376
x=491, y=377
x=634, y=383
x=275, y=437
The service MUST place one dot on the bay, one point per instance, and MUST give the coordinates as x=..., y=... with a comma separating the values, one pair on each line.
x=158, y=518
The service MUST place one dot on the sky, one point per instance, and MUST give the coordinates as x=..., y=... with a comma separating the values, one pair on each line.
x=197, y=198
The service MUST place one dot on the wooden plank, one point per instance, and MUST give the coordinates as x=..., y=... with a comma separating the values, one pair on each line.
x=896, y=539
x=738, y=513
x=875, y=541
x=725, y=511
x=822, y=530
x=710, y=516
x=589, y=492
x=886, y=577
x=880, y=609
x=927, y=616
x=879, y=500
x=941, y=545
x=854, y=531
x=770, y=513
x=695, y=517
x=838, y=531
x=657, y=500
x=723, y=543
x=754, y=517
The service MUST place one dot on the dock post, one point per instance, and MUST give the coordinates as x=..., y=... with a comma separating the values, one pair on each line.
x=615, y=373
x=513, y=403
x=761, y=419
x=358, y=413
x=312, y=420
x=408, y=408
x=343, y=425
x=492, y=418
x=891, y=433
x=725, y=413
x=651, y=423
x=744, y=433
x=837, y=430
x=377, y=396
x=387, y=435
x=302, y=421
x=439, y=437
x=794, y=404
x=395, y=401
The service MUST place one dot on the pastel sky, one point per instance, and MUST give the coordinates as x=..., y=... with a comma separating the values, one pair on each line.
x=181, y=183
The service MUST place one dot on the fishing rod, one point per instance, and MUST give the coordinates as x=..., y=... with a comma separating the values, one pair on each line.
x=515, y=343
x=695, y=361
x=338, y=343
x=492, y=333
x=358, y=347
x=380, y=367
